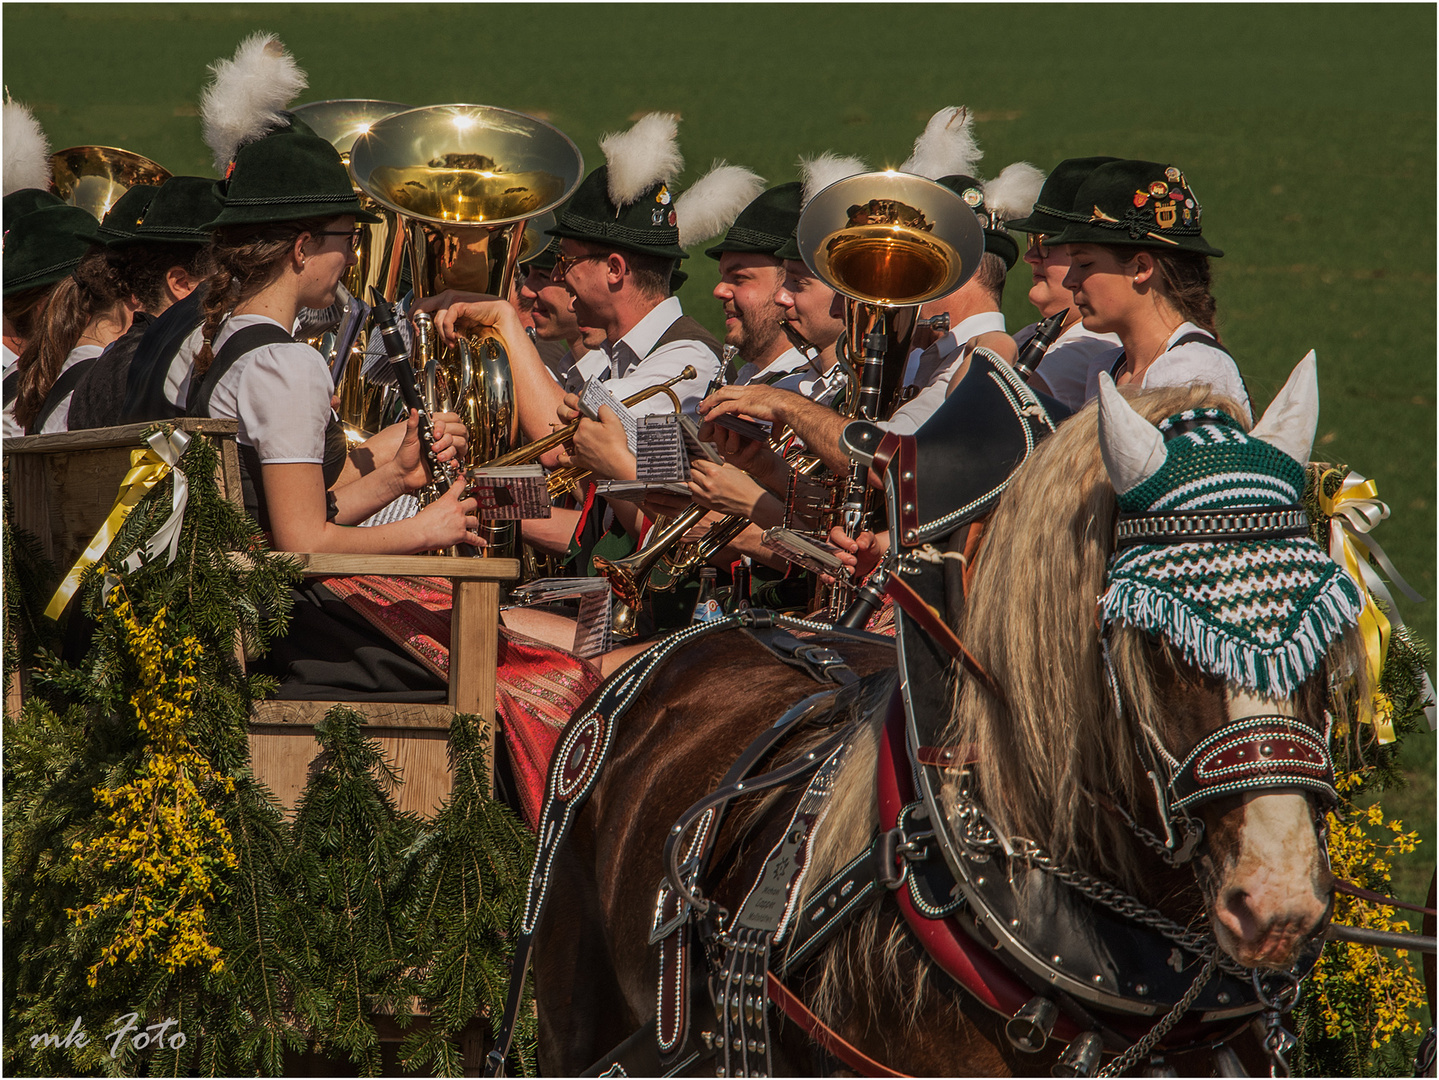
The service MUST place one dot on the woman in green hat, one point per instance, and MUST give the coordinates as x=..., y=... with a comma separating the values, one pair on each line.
x=1139, y=269
x=60, y=249
x=282, y=242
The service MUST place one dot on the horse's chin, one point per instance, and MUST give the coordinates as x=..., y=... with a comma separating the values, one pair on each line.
x=1276, y=950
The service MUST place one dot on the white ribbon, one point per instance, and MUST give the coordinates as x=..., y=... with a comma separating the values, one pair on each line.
x=167, y=536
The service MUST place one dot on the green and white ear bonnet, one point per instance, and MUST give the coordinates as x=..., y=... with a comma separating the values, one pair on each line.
x=1212, y=547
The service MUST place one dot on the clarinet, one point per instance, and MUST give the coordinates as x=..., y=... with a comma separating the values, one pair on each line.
x=442, y=473
x=1044, y=335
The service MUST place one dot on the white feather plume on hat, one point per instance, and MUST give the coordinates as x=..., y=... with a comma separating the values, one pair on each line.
x=645, y=155
x=1011, y=195
x=710, y=205
x=946, y=147
x=244, y=99
x=26, y=150
x=818, y=173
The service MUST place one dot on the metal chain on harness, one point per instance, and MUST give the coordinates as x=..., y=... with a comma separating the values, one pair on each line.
x=1158, y=1031
x=1277, y=1040
x=977, y=833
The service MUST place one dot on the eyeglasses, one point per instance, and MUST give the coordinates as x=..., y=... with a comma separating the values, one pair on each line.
x=565, y=263
x=353, y=234
x=1037, y=246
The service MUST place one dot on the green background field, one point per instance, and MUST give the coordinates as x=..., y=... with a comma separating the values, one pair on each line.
x=1308, y=132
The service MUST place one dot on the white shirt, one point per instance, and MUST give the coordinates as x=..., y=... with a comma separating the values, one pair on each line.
x=9, y=360
x=1185, y=366
x=908, y=417
x=786, y=363
x=11, y=430
x=58, y=420
x=177, y=375
x=1070, y=358
x=280, y=394
x=634, y=366
x=572, y=374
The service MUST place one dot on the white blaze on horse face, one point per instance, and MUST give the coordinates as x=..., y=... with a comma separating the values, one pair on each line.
x=1269, y=897
x=1292, y=418
x=1132, y=448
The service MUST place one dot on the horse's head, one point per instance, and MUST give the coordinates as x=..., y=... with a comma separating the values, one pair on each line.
x=1212, y=556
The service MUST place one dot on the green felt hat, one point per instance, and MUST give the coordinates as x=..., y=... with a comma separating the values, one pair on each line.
x=25, y=201
x=647, y=225
x=766, y=225
x=120, y=223
x=43, y=246
x=1136, y=204
x=789, y=249
x=547, y=257
x=180, y=212
x=997, y=240
x=287, y=176
x=1052, y=210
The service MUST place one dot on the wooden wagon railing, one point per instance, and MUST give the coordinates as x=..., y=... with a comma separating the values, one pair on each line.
x=62, y=486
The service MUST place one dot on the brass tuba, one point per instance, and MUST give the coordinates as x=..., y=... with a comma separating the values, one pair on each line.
x=462, y=181
x=94, y=177
x=367, y=399
x=887, y=242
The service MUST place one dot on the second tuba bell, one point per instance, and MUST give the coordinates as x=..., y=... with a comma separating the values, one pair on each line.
x=463, y=180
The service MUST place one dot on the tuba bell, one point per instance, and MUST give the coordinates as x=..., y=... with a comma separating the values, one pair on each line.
x=94, y=177
x=368, y=395
x=887, y=242
x=462, y=180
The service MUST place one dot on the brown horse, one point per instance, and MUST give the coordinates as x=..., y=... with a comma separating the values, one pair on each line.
x=1052, y=757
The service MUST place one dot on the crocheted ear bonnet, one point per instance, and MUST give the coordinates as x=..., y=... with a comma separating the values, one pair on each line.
x=1213, y=552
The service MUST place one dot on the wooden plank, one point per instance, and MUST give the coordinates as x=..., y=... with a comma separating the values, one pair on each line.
x=128, y=435
x=474, y=645
x=30, y=499
x=282, y=759
x=459, y=569
x=395, y=714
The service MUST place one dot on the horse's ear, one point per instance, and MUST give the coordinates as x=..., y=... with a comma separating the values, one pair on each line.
x=1132, y=447
x=1291, y=419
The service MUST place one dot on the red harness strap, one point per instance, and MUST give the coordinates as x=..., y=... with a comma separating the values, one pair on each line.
x=821, y=1033
x=1351, y=889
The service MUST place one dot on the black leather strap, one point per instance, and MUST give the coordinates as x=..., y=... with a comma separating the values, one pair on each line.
x=237, y=345
x=59, y=391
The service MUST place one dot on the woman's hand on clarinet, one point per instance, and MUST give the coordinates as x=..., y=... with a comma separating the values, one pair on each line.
x=452, y=307
x=860, y=553
x=452, y=439
x=449, y=520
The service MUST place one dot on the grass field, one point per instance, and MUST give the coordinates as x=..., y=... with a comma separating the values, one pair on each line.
x=1307, y=130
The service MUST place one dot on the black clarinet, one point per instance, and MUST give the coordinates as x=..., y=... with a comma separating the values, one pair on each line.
x=1044, y=336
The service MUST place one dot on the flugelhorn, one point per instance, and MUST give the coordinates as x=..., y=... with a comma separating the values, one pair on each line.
x=463, y=179
x=94, y=177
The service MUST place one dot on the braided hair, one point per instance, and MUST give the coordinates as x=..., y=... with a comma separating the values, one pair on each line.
x=93, y=288
x=246, y=258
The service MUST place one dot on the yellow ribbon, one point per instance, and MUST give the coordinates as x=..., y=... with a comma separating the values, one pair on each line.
x=147, y=468
x=1354, y=510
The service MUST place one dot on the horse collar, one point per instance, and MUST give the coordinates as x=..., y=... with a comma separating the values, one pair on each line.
x=1081, y=941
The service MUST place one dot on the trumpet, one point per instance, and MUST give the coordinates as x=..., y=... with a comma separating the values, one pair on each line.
x=561, y=480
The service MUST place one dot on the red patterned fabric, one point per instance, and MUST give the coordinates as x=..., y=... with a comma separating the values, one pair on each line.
x=538, y=687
